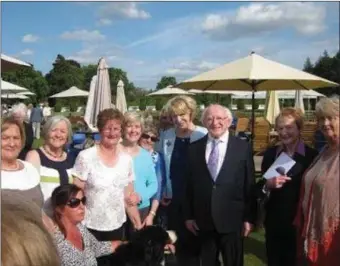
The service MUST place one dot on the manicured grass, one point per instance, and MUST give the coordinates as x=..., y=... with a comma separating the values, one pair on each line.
x=254, y=248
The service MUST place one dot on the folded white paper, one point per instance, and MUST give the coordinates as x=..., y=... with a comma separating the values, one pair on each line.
x=281, y=166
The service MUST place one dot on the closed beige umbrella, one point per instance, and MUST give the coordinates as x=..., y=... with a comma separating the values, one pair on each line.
x=102, y=91
x=299, y=101
x=272, y=107
x=89, y=105
x=120, y=97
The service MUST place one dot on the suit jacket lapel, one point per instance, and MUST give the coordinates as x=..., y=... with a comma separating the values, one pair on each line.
x=202, y=160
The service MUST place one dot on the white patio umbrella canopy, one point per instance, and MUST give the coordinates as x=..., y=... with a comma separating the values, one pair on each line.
x=7, y=87
x=272, y=107
x=26, y=93
x=212, y=92
x=299, y=101
x=10, y=63
x=120, y=97
x=71, y=92
x=255, y=73
x=169, y=90
x=102, y=93
x=13, y=96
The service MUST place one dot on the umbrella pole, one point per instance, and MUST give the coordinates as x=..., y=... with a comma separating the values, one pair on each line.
x=253, y=116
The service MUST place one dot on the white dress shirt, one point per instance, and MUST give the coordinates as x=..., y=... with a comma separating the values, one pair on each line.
x=222, y=148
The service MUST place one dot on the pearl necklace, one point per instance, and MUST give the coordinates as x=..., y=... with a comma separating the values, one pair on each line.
x=52, y=155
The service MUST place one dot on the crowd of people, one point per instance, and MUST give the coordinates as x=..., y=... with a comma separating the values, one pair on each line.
x=198, y=180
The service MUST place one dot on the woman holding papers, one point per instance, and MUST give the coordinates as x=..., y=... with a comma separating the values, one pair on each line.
x=318, y=217
x=281, y=185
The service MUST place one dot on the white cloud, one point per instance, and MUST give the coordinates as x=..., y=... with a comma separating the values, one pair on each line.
x=30, y=38
x=27, y=52
x=83, y=35
x=104, y=22
x=253, y=19
x=122, y=10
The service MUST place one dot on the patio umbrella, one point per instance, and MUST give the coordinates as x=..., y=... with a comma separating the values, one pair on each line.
x=169, y=90
x=26, y=93
x=272, y=107
x=13, y=96
x=120, y=97
x=299, y=101
x=7, y=87
x=10, y=63
x=89, y=105
x=71, y=92
x=255, y=73
x=102, y=92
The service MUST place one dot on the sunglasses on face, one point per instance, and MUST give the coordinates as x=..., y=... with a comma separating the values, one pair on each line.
x=74, y=202
x=146, y=136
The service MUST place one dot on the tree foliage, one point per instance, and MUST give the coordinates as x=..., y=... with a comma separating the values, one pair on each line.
x=166, y=81
x=326, y=67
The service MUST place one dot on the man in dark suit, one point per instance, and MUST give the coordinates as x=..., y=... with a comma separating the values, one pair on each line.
x=219, y=184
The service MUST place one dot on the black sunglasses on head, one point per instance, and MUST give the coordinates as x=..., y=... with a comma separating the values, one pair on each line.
x=74, y=202
x=146, y=136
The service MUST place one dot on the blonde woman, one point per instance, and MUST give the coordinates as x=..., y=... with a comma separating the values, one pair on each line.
x=318, y=218
x=174, y=145
x=145, y=184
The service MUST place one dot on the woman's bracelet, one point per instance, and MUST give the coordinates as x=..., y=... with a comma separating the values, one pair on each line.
x=152, y=213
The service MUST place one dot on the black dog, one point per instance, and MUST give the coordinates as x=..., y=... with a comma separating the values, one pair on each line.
x=146, y=248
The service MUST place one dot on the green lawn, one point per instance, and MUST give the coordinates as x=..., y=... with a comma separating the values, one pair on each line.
x=254, y=249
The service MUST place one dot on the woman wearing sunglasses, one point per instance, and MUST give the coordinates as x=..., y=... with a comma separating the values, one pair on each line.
x=147, y=141
x=76, y=245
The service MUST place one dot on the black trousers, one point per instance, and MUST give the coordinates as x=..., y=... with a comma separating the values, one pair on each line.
x=187, y=244
x=281, y=246
x=230, y=245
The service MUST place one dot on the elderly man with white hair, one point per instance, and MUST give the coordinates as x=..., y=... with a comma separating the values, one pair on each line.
x=218, y=203
x=19, y=112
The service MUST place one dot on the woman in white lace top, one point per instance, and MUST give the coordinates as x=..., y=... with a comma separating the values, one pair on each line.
x=106, y=174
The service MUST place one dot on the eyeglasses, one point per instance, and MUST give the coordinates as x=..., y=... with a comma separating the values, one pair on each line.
x=146, y=136
x=75, y=202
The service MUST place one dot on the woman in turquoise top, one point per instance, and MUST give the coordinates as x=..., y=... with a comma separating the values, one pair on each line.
x=146, y=183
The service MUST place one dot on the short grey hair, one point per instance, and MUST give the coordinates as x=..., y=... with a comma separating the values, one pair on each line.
x=327, y=106
x=20, y=108
x=226, y=110
x=52, y=122
x=133, y=117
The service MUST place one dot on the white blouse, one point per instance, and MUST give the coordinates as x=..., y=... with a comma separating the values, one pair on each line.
x=23, y=179
x=104, y=189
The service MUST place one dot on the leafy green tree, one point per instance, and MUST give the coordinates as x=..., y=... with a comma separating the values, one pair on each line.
x=30, y=79
x=308, y=66
x=89, y=71
x=166, y=81
x=64, y=74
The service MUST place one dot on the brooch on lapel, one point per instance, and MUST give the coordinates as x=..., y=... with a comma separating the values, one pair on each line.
x=168, y=143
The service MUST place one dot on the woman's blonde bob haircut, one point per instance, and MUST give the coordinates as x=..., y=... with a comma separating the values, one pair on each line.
x=133, y=117
x=327, y=107
x=11, y=121
x=24, y=239
x=52, y=122
x=180, y=105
